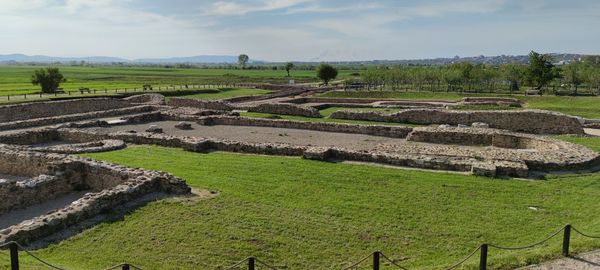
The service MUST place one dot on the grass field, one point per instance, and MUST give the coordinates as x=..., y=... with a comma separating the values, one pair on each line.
x=228, y=93
x=301, y=214
x=578, y=106
x=17, y=79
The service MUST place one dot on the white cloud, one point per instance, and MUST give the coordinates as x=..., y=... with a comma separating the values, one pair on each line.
x=229, y=8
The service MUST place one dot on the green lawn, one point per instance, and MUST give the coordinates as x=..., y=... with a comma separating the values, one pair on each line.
x=17, y=79
x=228, y=93
x=588, y=107
x=302, y=214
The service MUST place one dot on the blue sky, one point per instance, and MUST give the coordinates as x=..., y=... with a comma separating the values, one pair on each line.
x=282, y=30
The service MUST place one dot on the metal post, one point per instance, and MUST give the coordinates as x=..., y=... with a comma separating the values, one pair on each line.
x=251, y=263
x=14, y=256
x=376, y=260
x=483, y=257
x=125, y=267
x=566, y=240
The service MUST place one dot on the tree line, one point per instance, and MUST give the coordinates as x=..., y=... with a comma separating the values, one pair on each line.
x=540, y=74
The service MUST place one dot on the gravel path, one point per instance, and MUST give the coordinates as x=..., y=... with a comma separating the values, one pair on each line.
x=585, y=261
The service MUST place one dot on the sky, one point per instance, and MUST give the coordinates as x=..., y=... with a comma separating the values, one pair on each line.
x=298, y=30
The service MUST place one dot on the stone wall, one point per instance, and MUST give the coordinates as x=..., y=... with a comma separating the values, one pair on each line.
x=285, y=109
x=481, y=137
x=549, y=154
x=376, y=130
x=110, y=186
x=529, y=121
x=11, y=113
x=201, y=104
x=154, y=99
x=36, y=122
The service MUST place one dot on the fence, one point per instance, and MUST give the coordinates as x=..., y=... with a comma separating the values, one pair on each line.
x=377, y=257
x=83, y=92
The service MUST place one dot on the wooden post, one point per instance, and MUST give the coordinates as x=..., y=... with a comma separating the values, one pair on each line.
x=376, y=256
x=125, y=267
x=566, y=240
x=14, y=256
x=251, y=263
x=483, y=257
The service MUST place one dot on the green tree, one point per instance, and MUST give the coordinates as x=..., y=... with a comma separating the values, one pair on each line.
x=514, y=73
x=289, y=66
x=541, y=71
x=243, y=60
x=326, y=73
x=49, y=79
x=573, y=74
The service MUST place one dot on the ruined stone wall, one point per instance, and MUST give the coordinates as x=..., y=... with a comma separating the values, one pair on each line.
x=10, y=113
x=154, y=99
x=110, y=185
x=13, y=162
x=73, y=117
x=376, y=130
x=481, y=137
x=529, y=121
x=29, y=137
x=202, y=104
x=285, y=109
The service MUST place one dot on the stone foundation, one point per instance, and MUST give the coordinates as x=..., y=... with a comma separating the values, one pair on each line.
x=377, y=130
x=286, y=109
x=26, y=111
x=201, y=104
x=109, y=185
x=529, y=121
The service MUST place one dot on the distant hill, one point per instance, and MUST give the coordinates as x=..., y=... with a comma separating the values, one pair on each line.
x=230, y=59
x=21, y=58
x=200, y=59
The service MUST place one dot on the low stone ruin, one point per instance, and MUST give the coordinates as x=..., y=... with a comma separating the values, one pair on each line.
x=529, y=121
x=286, y=109
x=184, y=126
x=50, y=176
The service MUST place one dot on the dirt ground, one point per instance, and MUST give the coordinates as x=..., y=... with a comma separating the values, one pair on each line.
x=586, y=261
x=265, y=135
x=16, y=216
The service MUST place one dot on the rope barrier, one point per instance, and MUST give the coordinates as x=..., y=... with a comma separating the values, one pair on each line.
x=392, y=262
x=583, y=234
x=464, y=260
x=237, y=264
x=18, y=246
x=123, y=264
x=264, y=264
x=358, y=263
x=38, y=258
x=115, y=267
x=529, y=246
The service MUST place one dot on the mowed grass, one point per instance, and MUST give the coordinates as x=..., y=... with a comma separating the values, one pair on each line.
x=17, y=79
x=228, y=93
x=302, y=214
x=588, y=107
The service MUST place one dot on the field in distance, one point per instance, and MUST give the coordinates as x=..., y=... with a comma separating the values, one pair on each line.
x=17, y=79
